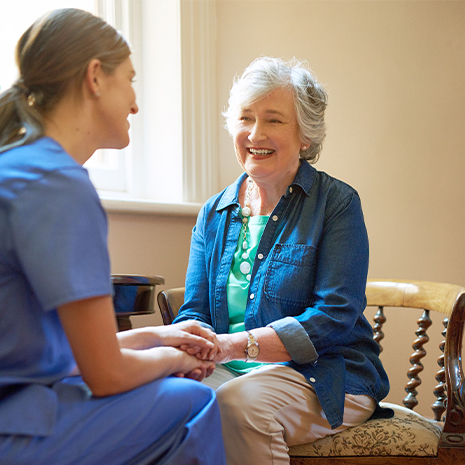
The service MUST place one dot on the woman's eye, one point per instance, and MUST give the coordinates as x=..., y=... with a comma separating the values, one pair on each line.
x=275, y=121
x=244, y=118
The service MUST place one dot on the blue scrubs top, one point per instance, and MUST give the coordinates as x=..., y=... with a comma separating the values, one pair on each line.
x=53, y=250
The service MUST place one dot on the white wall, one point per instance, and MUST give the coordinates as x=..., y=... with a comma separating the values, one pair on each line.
x=395, y=72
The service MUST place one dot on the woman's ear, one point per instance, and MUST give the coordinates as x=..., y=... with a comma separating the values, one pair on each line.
x=93, y=77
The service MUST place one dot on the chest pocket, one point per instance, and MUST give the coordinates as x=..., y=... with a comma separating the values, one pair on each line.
x=290, y=275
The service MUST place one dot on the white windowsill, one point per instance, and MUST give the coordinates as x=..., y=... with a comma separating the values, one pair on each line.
x=114, y=205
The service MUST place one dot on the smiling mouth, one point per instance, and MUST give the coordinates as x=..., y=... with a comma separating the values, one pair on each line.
x=260, y=151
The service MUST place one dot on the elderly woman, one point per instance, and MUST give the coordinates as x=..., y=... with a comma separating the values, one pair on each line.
x=278, y=268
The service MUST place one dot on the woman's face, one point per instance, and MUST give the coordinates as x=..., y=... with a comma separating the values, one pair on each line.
x=116, y=102
x=266, y=139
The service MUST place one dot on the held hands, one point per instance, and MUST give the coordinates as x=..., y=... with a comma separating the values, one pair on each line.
x=202, y=351
x=188, y=334
x=191, y=367
x=187, y=343
x=232, y=346
x=223, y=348
x=227, y=347
x=196, y=344
x=204, y=344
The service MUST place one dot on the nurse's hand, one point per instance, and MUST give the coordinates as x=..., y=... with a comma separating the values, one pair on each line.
x=194, y=339
x=193, y=368
x=187, y=335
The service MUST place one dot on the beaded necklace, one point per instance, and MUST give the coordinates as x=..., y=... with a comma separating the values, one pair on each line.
x=246, y=266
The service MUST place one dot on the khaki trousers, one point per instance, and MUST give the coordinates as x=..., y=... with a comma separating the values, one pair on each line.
x=274, y=407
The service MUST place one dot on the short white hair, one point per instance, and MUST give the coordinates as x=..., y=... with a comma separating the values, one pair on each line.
x=266, y=74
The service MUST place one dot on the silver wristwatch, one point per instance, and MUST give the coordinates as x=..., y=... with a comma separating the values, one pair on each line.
x=252, y=350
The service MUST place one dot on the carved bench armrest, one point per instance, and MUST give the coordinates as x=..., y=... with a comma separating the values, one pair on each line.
x=454, y=427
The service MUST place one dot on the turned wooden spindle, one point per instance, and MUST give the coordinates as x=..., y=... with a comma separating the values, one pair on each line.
x=379, y=320
x=439, y=406
x=424, y=322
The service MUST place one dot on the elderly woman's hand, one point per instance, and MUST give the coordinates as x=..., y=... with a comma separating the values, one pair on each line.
x=203, y=353
x=228, y=347
x=232, y=346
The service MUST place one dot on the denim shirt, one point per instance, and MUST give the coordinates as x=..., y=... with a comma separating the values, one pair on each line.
x=308, y=283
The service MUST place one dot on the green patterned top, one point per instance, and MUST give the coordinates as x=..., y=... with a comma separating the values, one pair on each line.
x=238, y=287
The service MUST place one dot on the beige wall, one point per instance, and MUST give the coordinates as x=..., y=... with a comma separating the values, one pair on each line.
x=150, y=245
x=395, y=72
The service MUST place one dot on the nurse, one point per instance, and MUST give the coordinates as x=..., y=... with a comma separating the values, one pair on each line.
x=72, y=389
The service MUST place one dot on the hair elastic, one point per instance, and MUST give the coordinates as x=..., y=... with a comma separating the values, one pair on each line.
x=19, y=84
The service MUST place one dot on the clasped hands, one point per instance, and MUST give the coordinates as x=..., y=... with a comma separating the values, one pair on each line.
x=194, y=348
x=199, y=342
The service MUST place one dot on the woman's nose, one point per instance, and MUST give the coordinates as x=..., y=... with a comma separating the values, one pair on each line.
x=257, y=132
x=134, y=109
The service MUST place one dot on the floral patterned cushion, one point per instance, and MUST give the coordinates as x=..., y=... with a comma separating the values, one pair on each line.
x=407, y=433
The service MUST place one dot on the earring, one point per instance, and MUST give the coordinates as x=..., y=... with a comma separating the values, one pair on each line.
x=97, y=94
x=304, y=147
x=31, y=100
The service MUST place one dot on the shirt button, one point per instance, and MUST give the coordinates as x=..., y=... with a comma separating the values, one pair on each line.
x=290, y=190
x=312, y=380
x=274, y=218
x=260, y=256
x=252, y=296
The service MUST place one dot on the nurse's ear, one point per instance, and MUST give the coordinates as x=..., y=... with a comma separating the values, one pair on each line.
x=93, y=77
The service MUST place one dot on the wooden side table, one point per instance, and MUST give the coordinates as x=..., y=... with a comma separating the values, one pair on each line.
x=133, y=295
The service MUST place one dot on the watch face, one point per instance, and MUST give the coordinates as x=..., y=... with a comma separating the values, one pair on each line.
x=252, y=351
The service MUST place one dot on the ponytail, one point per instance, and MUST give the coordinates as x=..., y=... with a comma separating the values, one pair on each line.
x=20, y=121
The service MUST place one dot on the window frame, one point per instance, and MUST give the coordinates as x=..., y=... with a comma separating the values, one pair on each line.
x=194, y=102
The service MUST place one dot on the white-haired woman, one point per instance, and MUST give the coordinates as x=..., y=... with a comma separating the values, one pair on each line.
x=278, y=268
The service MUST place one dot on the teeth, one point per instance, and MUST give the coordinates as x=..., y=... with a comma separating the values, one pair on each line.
x=261, y=151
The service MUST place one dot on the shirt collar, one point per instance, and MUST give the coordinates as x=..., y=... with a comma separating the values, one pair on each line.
x=231, y=193
x=304, y=178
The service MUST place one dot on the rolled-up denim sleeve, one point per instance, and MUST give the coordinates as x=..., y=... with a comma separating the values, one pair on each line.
x=295, y=340
x=338, y=296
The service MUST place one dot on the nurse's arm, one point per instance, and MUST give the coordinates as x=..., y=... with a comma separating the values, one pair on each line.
x=107, y=368
x=185, y=334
